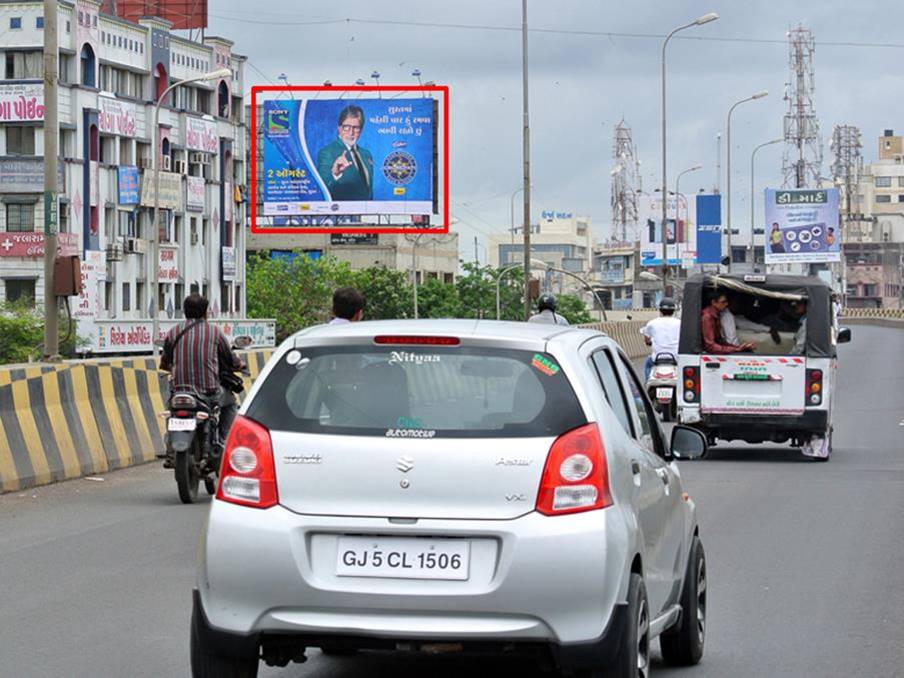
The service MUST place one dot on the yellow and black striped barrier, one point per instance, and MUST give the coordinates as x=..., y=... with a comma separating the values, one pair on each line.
x=72, y=419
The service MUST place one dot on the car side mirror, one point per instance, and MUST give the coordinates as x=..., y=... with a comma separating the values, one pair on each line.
x=158, y=343
x=844, y=335
x=242, y=341
x=687, y=443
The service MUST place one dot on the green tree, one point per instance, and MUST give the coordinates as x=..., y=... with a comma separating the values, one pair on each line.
x=22, y=333
x=438, y=300
x=573, y=308
x=387, y=293
x=477, y=292
x=296, y=293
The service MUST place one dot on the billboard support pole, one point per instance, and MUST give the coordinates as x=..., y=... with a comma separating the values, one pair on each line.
x=51, y=160
x=751, y=250
x=526, y=160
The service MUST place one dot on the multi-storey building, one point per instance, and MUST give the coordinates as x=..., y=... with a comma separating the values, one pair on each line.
x=561, y=240
x=112, y=73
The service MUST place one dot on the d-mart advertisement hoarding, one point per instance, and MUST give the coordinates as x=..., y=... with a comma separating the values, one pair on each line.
x=802, y=226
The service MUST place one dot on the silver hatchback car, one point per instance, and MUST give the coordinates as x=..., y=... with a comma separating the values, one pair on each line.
x=450, y=486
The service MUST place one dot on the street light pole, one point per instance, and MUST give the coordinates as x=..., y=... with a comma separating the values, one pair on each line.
x=687, y=208
x=758, y=95
x=155, y=229
x=512, y=211
x=705, y=19
x=51, y=160
x=751, y=250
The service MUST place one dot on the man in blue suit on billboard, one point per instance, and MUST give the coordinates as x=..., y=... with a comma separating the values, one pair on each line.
x=345, y=167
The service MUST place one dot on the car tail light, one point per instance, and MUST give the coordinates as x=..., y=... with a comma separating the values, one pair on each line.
x=691, y=384
x=248, y=472
x=575, y=477
x=813, y=392
x=414, y=340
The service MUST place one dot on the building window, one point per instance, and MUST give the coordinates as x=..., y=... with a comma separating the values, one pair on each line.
x=738, y=255
x=39, y=22
x=68, y=27
x=24, y=65
x=20, y=217
x=125, y=297
x=20, y=291
x=20, y=140
x=883, y=182
x=15, y=22
x=87, y=59
x=883, y=198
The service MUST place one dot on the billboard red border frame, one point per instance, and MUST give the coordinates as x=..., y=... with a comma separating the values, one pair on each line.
x=255, y=89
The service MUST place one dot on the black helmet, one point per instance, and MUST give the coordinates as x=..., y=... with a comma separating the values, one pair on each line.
x=546, y=301
x=667, y=304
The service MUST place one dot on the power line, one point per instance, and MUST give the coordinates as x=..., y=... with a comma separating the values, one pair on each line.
x=558, y=31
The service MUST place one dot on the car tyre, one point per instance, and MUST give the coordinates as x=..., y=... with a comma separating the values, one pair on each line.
x=683, y=646
x=207, y=664
x=632, y=660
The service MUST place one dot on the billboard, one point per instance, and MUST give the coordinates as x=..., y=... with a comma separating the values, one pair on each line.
x=127, y=184
x=681, y=235
x=709, y=229
x=802, y=226
x=348, y=156
x=21, y=102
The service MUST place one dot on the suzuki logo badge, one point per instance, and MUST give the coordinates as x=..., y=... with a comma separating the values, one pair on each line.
x=405, y=464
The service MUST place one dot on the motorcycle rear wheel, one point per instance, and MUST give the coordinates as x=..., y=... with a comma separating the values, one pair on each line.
x=187, y=473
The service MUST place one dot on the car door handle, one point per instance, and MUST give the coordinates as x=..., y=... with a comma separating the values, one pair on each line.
x=635, y=468
x=663, y=475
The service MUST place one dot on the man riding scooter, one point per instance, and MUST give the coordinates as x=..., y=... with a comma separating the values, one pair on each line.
x=661, y=367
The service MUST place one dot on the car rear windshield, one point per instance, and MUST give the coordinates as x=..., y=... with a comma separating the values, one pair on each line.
x=417, y=392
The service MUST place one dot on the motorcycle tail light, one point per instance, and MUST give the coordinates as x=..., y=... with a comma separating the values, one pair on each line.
x=184, y=401
x=248, y=473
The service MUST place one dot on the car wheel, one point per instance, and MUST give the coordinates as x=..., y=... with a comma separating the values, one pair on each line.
x=633, y=657
x=207, y=664
x=684, y=646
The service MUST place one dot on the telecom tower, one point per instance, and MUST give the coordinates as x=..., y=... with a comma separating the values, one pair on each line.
x=846, y=170
x=624, y=179
x=802, y=163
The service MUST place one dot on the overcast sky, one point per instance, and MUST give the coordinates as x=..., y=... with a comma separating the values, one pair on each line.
x=582, y=85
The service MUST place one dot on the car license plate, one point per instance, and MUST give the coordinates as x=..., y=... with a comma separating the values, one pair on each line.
x=664, y=393
x=403, y=558
x=182, y=424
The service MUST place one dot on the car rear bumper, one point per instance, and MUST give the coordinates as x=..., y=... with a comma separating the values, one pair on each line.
x=756, y=428
x=537, y=581
x=593, y=653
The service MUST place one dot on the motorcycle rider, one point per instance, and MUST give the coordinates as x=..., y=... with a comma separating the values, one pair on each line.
x=661, y=333
x=546, y=307
x=194, y=352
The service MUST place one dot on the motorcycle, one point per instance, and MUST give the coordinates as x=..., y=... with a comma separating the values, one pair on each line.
x=193, y=444
x=662, y=384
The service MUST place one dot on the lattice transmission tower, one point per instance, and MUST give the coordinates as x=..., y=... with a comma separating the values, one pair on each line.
x=802, y=163
x=624, y=183
x=846, y=170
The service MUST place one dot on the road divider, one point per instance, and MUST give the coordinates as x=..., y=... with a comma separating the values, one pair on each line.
x=78, y=418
